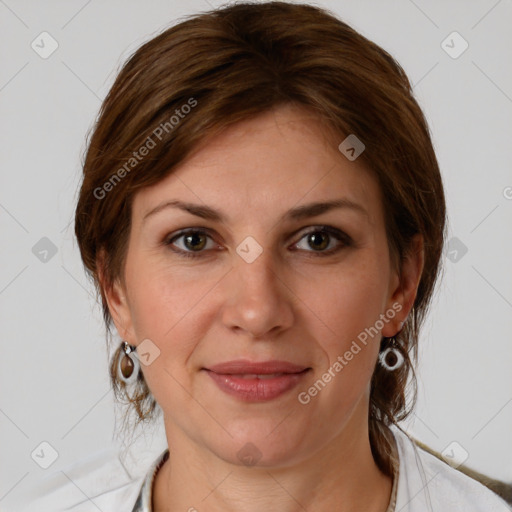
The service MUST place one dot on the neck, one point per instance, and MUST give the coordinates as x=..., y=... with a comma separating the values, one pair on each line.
x=341, y=476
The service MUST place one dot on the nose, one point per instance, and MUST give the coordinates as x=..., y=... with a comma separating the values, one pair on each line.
x=258, y=301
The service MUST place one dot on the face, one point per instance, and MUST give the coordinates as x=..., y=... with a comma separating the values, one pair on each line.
x=252, y=272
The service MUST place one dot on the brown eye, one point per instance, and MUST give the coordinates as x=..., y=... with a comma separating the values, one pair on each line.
x=318, y=240
x=194, y=241
x=322, y=238
x=190, y=243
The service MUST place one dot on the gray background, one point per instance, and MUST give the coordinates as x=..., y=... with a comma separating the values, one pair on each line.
x=53, y=371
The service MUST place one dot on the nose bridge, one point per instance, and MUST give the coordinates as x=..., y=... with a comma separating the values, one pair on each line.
x=254, y=264
x=257, y=300
x=257, y=279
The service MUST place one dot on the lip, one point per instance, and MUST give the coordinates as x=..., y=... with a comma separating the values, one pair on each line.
x=242, y=366
x=240, y=378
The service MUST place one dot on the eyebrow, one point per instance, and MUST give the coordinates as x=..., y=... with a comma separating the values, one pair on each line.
x=297, y=213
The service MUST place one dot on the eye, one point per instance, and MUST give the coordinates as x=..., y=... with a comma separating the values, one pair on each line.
x=322, y=237
x=193, y=241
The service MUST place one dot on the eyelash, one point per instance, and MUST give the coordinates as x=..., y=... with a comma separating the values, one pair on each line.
x=336, y=233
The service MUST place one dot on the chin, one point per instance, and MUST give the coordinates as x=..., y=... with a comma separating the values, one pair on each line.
x=256, y=448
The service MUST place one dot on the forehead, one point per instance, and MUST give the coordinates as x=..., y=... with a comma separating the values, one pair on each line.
x=271, y=162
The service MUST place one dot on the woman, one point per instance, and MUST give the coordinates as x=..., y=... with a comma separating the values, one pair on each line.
x=263, y=215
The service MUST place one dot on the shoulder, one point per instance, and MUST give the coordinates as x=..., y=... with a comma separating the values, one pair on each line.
x=99, y=482
x=426, y=483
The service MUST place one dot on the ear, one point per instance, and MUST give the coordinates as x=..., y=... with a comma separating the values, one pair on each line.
x=118, y=304
x=405, y=286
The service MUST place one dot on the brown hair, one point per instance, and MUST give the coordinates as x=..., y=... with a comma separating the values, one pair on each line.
x=231, y=64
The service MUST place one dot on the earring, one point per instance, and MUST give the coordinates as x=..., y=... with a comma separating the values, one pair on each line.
x=128, y=367
x=391, y=358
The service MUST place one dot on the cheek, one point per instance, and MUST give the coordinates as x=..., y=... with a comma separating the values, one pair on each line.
x=164, y=312
x=170, y=308
x=348, y=300
x=164, y=299
x=349, y=307
x=347, y=303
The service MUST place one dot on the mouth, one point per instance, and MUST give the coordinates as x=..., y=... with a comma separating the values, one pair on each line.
x=244, y=367
x=256, y=382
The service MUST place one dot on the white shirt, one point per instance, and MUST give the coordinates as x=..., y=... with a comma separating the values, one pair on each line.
x=424, y=484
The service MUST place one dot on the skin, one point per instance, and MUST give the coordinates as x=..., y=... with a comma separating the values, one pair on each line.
x=291, y=303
